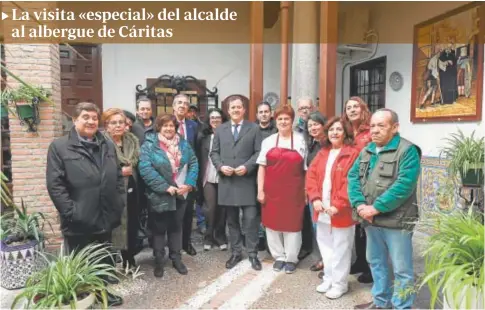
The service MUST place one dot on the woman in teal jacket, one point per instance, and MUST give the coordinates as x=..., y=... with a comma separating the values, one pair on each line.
x=169, y=167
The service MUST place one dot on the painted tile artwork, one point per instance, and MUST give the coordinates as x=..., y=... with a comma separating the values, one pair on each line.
x=448, y=67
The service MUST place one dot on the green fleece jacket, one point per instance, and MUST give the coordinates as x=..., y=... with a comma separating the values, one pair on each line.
x=400, y=190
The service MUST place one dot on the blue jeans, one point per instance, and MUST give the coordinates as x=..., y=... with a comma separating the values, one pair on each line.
x=199, y=213
x=382, y=243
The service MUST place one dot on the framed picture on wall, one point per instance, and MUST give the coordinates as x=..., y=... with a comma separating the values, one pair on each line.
x=447, y=78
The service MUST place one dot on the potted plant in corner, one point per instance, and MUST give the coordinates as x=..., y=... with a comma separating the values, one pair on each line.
x=26, y=99
x=21, y=241
x=69, y=281
x=466, y=158
x=454, y=259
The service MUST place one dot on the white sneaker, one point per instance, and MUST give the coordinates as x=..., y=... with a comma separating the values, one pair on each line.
x=223, y=247
x=324, y=287
x=207, y=247
x=335, y=292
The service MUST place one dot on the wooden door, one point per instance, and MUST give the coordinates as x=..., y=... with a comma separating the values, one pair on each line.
x=81, y=79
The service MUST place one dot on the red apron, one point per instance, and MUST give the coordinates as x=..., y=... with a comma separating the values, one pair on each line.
x=284, y=191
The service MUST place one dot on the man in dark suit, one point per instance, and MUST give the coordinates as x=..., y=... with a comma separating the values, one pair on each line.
x=188, y=130
x=235, y=148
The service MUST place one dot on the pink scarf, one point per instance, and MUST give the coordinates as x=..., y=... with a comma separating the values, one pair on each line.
x=171, y=147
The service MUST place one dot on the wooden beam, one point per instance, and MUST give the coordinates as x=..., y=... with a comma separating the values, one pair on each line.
x=285, y=28
x=328, y=56
x=256, y=58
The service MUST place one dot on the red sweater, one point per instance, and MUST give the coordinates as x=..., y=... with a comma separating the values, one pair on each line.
x=338, y=196
x=362, y=138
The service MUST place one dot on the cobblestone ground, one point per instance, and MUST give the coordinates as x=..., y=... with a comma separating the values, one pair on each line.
x=210, y=286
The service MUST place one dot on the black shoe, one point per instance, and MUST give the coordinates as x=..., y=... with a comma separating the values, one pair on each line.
x=255, y=263
x=190, y=250
x=158, y=271
x=233, y=261
x=320, y=275
x=356, y=268
x=180, y=267
x=366, y=277
x=114, y=300
x=303, y=254
x=110, y=280
x=262, y=244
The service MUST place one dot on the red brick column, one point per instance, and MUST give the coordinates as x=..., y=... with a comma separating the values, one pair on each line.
x=38, y=65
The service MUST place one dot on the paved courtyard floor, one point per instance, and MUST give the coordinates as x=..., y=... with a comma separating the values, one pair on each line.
x=209, y=285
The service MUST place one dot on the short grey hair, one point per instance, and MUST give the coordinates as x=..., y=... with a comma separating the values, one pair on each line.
x=394, y=116
x=306, y=98
x=180, y=96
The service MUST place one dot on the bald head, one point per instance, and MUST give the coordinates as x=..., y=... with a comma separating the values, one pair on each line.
x=384, y=125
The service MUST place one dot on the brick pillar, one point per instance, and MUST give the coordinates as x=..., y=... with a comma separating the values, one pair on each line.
x=39, y=65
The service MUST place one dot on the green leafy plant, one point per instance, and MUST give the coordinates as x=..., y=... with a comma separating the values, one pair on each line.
x=464, y=153
x=26, y=93
x=23, y=226
x=454, y=257
x=68, y=279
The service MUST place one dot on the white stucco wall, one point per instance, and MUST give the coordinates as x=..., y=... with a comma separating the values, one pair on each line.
x=225, y=66
x=428, y=136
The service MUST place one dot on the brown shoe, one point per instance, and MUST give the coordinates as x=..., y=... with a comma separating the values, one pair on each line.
x=369, y=305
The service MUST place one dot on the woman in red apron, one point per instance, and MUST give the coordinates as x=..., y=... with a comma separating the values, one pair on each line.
x=281, y=183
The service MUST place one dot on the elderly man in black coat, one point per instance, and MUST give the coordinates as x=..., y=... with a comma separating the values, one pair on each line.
x=85, y=184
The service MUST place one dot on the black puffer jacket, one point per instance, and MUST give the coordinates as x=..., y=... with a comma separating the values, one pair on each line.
x=88, y=195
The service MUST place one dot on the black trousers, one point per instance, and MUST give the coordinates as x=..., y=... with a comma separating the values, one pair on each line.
x=79, y=242
x=188, y=220
x=250, y=221
x=307, y=232
x=166, y=229
x=360, y=249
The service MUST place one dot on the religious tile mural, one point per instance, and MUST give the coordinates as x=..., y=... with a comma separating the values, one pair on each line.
x=448, y=67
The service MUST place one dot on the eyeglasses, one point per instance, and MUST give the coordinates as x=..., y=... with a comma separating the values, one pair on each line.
x=114, y=123
x=304, y=108
x=215, y=117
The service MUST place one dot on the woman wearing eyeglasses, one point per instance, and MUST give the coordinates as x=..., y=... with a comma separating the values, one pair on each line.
x=124, y=237
x=215, y=234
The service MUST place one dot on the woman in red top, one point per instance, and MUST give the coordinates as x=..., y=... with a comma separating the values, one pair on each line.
x=357, y=115
x=326, y=186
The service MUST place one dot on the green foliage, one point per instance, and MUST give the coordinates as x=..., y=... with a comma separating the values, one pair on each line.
x=22, y=226
x=18, y=225
x=68, y=278
x=454, y=255
x=25, y=93
x=464, y=153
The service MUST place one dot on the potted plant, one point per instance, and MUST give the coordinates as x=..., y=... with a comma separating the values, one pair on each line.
x=69, y=281
x=22, y=239
x=26, y=99
x=454, y=259
x=466, y=158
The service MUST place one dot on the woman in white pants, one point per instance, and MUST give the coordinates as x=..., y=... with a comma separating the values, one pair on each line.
x=326, y=186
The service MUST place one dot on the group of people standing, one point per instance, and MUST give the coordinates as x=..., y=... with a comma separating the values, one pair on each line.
x=324, y=185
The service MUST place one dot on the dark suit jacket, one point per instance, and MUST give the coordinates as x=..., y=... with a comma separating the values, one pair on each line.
x=192, y=129
x=237, y=190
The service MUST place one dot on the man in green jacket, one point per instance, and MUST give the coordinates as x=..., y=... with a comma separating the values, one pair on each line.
x=382, y=191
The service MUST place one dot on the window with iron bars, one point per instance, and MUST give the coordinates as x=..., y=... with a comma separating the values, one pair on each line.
x=368, y=81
